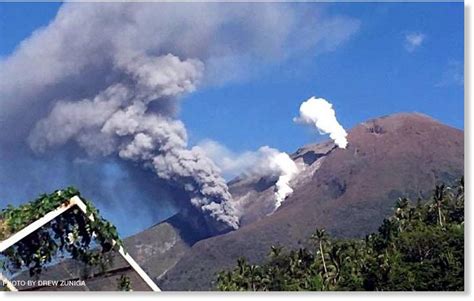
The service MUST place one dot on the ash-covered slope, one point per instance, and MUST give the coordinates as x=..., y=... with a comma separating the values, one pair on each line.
x=347, y=191
x=156, y=250
x=255, y=194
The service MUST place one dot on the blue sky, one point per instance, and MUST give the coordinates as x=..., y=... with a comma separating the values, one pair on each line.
x=374, y=73
x=404, y=57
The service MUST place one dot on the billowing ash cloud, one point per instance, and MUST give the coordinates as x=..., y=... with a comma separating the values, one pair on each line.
x=106, y=79
x=119, y=120
x=319, y=113
x=266, y=161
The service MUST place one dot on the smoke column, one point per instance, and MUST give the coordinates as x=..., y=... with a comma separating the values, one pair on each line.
x=119, y=121
x=288, y=170
x=105, y=81
x=266, y=161
x=319, y=113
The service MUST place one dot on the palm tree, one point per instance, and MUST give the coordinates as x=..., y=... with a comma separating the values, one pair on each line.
x=460, y=192
x=241, y=273
x=401, y=206
x=321, y=238
x=242, y=265
x=402, y=212
x=438, y=198
x=275, y=251
x=336, y=262
x=254, y=278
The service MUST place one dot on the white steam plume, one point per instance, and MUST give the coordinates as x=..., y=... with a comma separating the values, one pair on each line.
x=319, y=113
x=266, y=161
x=288, y=170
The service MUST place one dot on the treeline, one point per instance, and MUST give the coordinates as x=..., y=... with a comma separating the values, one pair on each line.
x=420, y=247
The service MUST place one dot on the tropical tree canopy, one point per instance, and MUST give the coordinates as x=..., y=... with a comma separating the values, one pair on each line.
x=419, y=247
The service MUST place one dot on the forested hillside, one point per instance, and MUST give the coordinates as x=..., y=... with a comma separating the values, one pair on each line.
x=420, y=247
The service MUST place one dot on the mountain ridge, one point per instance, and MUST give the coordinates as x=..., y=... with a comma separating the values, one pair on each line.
x=348, y=192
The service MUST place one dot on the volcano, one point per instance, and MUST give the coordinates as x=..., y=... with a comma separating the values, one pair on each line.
x=346, y=191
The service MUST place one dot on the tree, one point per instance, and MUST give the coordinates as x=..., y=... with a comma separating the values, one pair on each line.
x=320, y=237
x=420, y=247
x=71, y=232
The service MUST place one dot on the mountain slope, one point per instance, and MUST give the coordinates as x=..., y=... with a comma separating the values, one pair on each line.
x=348, y=192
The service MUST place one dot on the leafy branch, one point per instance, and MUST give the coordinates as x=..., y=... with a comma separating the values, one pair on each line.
x=72, y=232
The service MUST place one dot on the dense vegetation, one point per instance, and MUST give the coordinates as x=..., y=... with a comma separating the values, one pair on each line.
x=420, y=247
x=70, y=233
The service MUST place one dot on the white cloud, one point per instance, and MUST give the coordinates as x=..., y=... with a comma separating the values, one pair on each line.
x=230, y=163
x=453, y=74
x=233, y=164
x=265, y=161
x=414, y=40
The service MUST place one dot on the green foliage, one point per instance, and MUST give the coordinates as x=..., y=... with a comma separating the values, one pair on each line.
x=124, y=283
x=72, y=233
x=420, y=247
